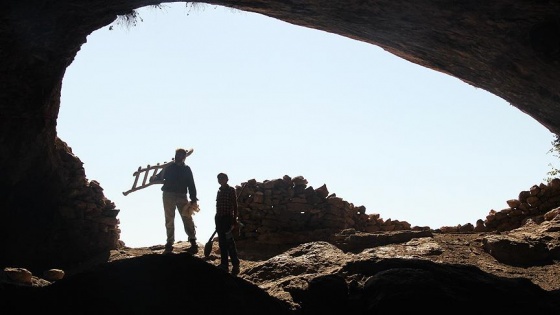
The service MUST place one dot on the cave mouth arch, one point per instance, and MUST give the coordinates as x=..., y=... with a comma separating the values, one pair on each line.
x=488, y=46
x=307, y=55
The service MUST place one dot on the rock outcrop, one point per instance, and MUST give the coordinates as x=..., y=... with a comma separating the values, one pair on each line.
x=313, y=278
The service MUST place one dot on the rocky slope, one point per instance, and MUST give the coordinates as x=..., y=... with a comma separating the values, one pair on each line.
x=515, y=272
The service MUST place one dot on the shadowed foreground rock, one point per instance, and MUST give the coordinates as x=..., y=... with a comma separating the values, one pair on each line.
x=149, y=284
x=304, y=280
x=407, y=286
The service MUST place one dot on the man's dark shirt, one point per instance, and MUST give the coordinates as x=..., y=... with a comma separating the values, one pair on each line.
x=178, y=178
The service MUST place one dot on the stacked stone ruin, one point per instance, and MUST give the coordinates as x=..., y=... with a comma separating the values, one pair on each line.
x=280, y=211
x=286, y=211
x=532, y=204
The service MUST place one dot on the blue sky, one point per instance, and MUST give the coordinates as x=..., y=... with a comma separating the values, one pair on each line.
x=258, y=98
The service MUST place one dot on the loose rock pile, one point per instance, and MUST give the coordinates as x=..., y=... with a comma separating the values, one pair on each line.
x=531, y=204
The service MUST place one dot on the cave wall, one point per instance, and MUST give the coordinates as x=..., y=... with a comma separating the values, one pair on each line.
x=78, y=225
x=509, y=48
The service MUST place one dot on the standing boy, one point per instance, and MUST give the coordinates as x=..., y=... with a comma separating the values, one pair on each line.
x=226, y=219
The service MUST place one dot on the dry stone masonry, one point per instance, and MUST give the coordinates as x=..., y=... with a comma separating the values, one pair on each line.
x=287, y=211
x=532, y=204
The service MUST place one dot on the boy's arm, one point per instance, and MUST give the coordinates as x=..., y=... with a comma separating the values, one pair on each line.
x=235, y=210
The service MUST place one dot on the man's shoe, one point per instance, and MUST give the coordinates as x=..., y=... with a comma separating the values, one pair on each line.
x=223, y=267
x=168, y=250
x=194, y=247
x=235, y=270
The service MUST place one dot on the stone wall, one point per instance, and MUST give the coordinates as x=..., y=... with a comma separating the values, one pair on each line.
x=531, y=204
x=287, y=211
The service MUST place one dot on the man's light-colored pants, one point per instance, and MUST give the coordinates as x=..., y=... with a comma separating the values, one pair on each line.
x=172, y=202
